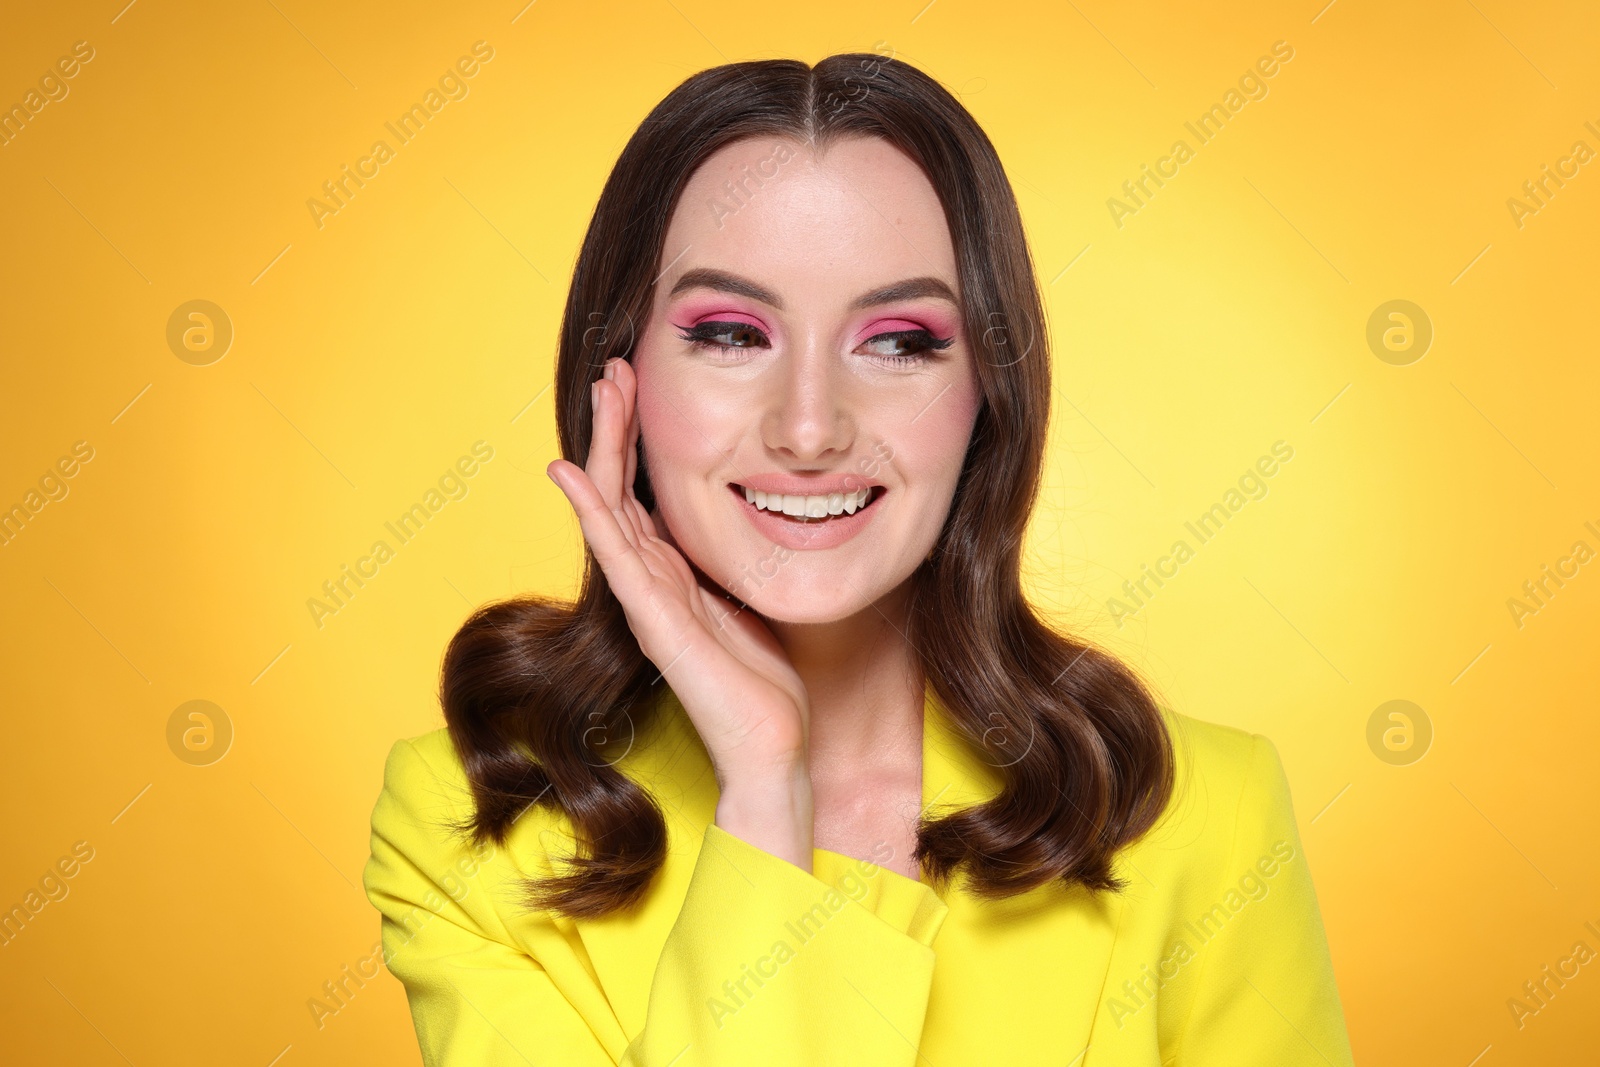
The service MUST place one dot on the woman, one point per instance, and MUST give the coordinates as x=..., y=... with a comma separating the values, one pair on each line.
x=801, y=778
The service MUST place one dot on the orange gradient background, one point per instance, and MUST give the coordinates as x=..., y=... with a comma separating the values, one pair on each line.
x=370, y=352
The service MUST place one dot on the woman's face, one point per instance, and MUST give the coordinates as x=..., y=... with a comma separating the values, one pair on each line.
x=831, y=381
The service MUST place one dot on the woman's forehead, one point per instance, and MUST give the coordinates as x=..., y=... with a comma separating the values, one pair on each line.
x=862, y=214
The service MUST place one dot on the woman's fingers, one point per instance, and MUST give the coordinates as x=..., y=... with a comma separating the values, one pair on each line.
x=625, y=380
x=628, y=516
x=605, y=443
x=613, y=549
x=641, y=519
x=622, y=376
x=658, y=611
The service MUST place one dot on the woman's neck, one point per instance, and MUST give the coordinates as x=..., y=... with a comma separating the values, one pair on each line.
x=864, y=683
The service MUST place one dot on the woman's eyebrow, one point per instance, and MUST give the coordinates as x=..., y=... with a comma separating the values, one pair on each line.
x=727, y=282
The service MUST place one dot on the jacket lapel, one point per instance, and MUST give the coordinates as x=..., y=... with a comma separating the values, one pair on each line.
x=1041, y=955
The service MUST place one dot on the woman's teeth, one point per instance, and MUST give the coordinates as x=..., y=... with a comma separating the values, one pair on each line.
x=809, y=507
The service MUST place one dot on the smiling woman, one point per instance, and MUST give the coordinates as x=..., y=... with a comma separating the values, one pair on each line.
x=803, y=473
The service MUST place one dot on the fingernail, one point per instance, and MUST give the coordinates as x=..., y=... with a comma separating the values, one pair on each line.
x=594, y=397
x=606, y=372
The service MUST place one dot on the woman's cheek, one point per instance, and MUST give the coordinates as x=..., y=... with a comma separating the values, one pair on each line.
x=936, y=436
x=680, y=428
x=661, y=418
x=944, y=429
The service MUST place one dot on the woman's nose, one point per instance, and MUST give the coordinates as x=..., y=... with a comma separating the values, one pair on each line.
x=809, y=405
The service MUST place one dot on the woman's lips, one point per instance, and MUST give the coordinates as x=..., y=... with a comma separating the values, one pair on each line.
x=814, y=533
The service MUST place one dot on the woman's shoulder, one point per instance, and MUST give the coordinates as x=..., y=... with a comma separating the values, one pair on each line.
x=1230, y=806
x=425, y=809
x=427, y=756
x=1216, y=756
x=657, y=748
x=425, y=774
x=1218, y=747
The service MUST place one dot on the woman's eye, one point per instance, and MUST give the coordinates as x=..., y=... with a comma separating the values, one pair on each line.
x=741, y=334
x=908, y=346
x=901, y=347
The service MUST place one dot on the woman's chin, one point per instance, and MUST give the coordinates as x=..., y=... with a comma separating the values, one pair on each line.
x=809, y=615
x=808, y=603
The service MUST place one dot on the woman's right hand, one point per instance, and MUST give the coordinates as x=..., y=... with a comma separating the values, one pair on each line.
x=743, y=696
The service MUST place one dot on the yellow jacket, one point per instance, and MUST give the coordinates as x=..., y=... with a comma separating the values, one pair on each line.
x=1214, y=956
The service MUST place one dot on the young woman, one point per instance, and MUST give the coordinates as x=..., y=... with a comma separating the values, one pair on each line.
x=801, y=777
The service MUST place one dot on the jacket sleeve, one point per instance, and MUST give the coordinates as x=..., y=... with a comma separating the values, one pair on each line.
x=766, y=962
x=1267, y=992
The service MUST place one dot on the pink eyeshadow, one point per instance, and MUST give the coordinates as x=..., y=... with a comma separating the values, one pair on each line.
x=692, y=313
x=895, y=325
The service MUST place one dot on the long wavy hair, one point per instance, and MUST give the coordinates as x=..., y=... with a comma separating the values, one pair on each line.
x=532, y=687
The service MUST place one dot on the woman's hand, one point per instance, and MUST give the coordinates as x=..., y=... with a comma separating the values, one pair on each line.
x=734, y=680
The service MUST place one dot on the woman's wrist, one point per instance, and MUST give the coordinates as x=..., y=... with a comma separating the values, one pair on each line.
x=773, y=812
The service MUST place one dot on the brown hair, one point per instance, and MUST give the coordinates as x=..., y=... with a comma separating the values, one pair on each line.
x=532, y=687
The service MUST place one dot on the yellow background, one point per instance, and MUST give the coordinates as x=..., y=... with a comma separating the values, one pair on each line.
x=370, y=353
